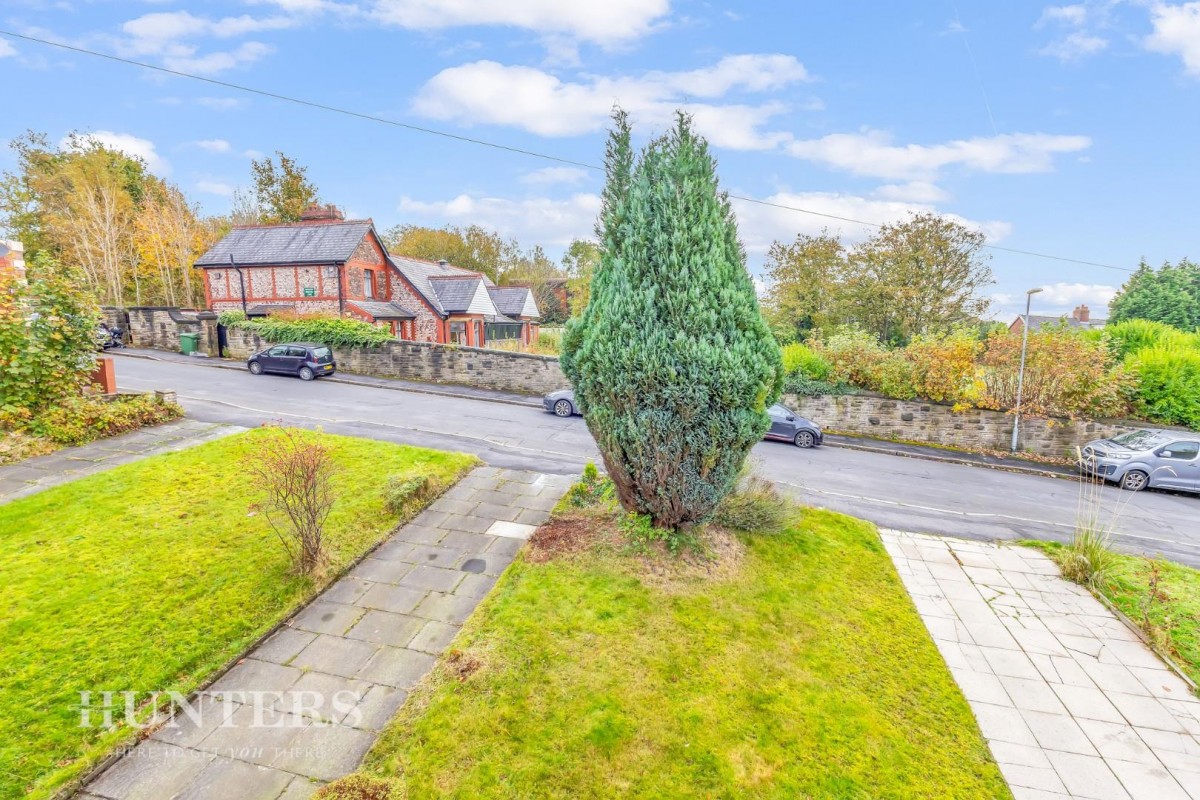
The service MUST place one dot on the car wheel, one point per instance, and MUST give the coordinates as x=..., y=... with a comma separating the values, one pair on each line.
x=306, y=374
x=804, y=439
x=1135, y=480
x=563, y=408
x=255, y=368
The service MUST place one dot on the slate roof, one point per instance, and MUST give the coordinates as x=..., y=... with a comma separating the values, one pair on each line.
x=303, y=243
x=266, y=309
x=455, y=294
x=510, y=300
x=382, y=310
x=422, y=274
x=1038, y=321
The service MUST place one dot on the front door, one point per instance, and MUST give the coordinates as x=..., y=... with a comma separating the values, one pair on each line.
x=1178, y=466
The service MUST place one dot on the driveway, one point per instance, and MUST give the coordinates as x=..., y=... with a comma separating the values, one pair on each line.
x=893, y=492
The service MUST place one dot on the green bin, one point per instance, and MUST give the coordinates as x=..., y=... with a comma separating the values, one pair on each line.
x=189, y=343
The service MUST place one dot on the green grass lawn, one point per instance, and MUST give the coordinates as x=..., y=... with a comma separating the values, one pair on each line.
x=151, y=576
x=1173, y=620
x=804, y=672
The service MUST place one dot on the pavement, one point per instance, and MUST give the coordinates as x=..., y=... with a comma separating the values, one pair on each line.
x=1069, y=698
x=305, y=705
x=41, y=472
x=938, y=497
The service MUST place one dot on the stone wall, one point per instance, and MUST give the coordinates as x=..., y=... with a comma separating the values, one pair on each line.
x=973, y=429
x=433, y=363
x=159, y=327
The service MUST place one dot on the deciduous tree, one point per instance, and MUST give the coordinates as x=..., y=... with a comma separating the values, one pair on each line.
x=282, y=190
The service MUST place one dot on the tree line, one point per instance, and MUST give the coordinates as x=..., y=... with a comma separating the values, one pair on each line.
x=133, y=236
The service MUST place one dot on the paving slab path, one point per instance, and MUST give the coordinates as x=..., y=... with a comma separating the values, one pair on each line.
x=1071, y=701
x=304, y=707
x=41, y=472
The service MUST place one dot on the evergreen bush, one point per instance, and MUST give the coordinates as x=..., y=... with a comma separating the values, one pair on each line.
x=672, y=363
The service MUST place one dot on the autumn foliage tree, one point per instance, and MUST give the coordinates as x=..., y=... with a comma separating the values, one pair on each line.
x=672, y=363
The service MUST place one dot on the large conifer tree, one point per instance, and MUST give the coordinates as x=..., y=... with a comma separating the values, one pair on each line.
x=672, y=363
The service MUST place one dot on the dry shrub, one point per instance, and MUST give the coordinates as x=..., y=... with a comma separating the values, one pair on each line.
x=295, y=473
x=402, y=496
x=359, y=787
x=755, y=506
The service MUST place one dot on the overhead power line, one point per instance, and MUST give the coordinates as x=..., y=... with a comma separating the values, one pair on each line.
x=482, y=142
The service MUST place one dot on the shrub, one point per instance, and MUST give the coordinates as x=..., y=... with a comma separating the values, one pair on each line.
x=799, y=359
x=359, y=787
x=1088, y=559
x=294, y=472
x=944, y=366
x=402, y=495
x=1066, y=375
x=1169, y=385
x=804, y=386
x=756, y=506
x=854, y=357
x=591, y=489
x=672, y=363
x=81, y=420
x=1129, y=337
x=47, y=336
x=321, y=328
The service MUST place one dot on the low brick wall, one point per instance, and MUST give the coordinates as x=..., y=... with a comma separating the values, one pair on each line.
x=973, y=429
x=433, y=363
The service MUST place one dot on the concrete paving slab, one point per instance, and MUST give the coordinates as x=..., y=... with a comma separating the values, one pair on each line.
x=1074, y=704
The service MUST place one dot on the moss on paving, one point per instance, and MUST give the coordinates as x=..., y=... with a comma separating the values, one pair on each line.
x=806, y=673
x=149, y=577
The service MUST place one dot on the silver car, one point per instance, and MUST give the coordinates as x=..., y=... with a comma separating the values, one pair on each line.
x=1146, y=458
x=786, y=425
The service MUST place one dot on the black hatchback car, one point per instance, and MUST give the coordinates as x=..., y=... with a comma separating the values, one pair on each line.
x=305, y=359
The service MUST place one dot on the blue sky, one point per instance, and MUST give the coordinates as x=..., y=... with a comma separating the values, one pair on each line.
x=1067, y=129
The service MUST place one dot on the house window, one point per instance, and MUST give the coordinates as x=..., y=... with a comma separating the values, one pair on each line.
x=369, y=284
x=458, y=332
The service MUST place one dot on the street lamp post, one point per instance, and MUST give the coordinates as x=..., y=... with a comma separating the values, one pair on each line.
x=1021, y=373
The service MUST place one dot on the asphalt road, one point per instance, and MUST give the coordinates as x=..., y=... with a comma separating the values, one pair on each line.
x=903, y=493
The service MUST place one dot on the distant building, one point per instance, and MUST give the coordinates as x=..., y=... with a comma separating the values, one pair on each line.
x=1080, y=318
x=327, y=264
x=12, y=259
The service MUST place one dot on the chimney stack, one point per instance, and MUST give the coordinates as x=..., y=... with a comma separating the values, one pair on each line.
x=322, y=213
x=443, y=262
x=1082, y=314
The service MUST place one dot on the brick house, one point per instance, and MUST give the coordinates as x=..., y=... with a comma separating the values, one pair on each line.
x=1081, y=318
x=12, y=259
x=517, y=303
x=327, y=264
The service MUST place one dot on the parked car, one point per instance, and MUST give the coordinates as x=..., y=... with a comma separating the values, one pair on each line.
x=786, y=425
x=305, y=359
x=1146, y=458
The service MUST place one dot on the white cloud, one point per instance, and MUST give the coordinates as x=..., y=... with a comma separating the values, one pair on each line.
x=871, y=152
x=539, y=102
x=125, y=143
x=1055, y=299
x=218, y=188
x=541, y=220
x=610, y=23
x=914, y=192
x=1177, y=32
x=552, y=175
x=761, y=225
x=170, y=36
x=214, y=145
x=1074, y=46
x=6, y=49
x=1076, y=14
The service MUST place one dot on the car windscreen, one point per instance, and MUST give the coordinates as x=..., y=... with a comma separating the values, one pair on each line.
x=1139, y=440
x=322, y=355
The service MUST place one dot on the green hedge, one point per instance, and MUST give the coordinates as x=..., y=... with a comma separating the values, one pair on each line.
x=1169, y=388
x=333, y=331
